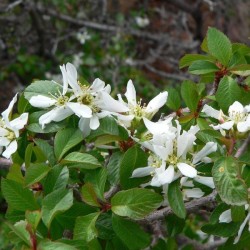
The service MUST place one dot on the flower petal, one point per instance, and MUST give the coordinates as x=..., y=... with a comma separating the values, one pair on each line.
x=19, y=122
x=72, y=78
x=162, y=178
x=11, y=148
x=236, y=107
x=141, y=172
x=4, y=142
x=57, y=114
x=108, y=103
x=97, y=85
x=65, y=79
x=209, y=111
x=187, y=170
x=94, y=122
x=207, y=181
x=209, y=148
x=131, y=93
x=84, y=126
x=6, y=113
x=159, y=127
x=80, y=110
x=193, y=193
x=225, y=217
x=157, y=102
x=41, y=101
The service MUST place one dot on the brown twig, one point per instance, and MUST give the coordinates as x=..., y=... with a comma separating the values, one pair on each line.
x=242, y=148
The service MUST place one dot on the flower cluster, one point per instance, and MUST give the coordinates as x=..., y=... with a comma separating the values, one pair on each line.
x=10, y=129
x=172, y=152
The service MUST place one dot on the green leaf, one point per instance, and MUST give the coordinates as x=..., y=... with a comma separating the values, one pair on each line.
x=104, y=226
x=238, y=213
x=46, y=88
x=242, y=70
x=81, y=161
x=106, y=139
x=65, y=140
x=47, y=150
x=23, y=104
x=54, y=203
x=202, y=67
x=108, y=126
x=221, y=229
x=49, y=245
x=15, y=174
x=231, y=189
x=188, y=59
x=128, y=231
x=17, y=197
x=219, y=46
x=175, y=199
x=113, y=168
x=98, y=179
x=20, y=230
x=190, y=95
x=33, y=218
x=227, y=93
x=57, y=178
x=50, y=128
x=28, y=154
x=134, y=158
x=35, y=173
x=174, y=99
x=175, y=225
x=85, y=227
x=89, y=195
x=135, y=203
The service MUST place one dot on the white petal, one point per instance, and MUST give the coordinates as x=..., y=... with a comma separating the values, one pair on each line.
x=141, y=172
x=243, y=126
x=57, y=114
x=207, y=181
x=163, y=152
x=3, y=132
x=185, y=143
x=6, y=113
x=72, y=78
x=80, y=110
x=97, y=85
x=164, y=177
x=225, y=217
x=227, y=125
x=241, y=228
x=19, y=122
x=159, y=127
x=65, y=79
x=131, y=93
x=11, y=148
x=236, y=107
x=4, y=142
x=193, y=193
x=157, y=102
x=110, y=104
x=94, y=122
x=107, y=89
x=206, y=150
x=187, y=170
x=41, y=101
x=209, y=111
x=84, y=126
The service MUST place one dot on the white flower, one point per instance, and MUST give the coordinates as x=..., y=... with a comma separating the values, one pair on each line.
x=142, y=22
x=9, y=130
x=173, y=153
x=87, y=102
x=82, y=37
x=137, y=110
x=238, y=116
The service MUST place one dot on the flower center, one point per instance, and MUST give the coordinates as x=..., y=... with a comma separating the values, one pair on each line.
x=61, y=100
x=138, y=110
x=154, y=161
x=11, y=136
x=238, y=116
